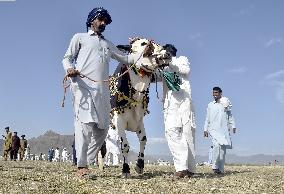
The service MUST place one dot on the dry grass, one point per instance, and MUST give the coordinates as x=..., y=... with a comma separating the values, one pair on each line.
x=45, y=177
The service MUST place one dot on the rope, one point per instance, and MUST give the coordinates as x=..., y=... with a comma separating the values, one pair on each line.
x=157, y=87
x=67, y=84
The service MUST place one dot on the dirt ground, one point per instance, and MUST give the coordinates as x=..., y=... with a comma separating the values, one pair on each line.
x=45, y=177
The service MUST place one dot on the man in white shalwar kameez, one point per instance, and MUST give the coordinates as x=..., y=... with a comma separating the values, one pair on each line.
x=179, y=118
x=219, y=121
x=210, y=156
x=112, y=147
x=56, y=155
x=89, y=53
x=64, y=155
x=27, y=152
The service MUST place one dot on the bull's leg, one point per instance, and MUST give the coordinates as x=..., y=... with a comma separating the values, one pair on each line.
x=124, y=150
x=142, y=139
x=124, y=147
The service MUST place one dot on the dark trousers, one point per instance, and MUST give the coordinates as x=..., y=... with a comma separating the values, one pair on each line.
x=74, y=156
x=103, y=150
x=14, y=154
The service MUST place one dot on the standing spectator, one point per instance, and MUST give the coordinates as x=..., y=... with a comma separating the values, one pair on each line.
x=7, y=143
x=15, y=146
x=112, y=147
x=64, y=155
x=28, y=153
x=50, y=154
x=210, y=155
x=56, y=155
x=219, y=121
x=40, y=157
x=23, y=147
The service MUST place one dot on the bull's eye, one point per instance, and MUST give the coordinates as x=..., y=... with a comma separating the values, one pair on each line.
x=143, y=43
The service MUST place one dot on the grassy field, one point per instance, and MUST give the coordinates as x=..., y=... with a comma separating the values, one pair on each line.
x=45, y=177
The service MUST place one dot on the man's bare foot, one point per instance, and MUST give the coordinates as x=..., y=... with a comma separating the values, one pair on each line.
x=82, y=171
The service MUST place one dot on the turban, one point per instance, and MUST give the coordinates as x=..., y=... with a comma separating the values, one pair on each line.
x=98, y=12
x=171, y=49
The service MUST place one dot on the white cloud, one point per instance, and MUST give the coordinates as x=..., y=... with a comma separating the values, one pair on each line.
x=196, y=38
x=273, y=41
x=275, y=75
x=276, y=79
x=238, y=70
x=156, y=140
x=244, y=11
x=280, y=93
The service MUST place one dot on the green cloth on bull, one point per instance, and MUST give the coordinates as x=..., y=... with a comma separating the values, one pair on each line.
x=172, y=80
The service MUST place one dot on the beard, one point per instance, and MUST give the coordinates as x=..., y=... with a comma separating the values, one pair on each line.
x=216, y=98
x=101, y=28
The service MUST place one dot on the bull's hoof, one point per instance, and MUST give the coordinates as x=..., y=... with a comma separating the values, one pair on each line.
x=125, y=171
x=139, y=166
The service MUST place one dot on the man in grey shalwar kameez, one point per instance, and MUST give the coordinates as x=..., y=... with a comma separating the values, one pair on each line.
x=89, y=53
x=219, y=121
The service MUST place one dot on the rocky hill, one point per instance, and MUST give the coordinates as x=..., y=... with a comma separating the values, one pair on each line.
x=50, y=139
x=42, y=143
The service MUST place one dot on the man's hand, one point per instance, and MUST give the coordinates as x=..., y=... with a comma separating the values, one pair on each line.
x=205, y=133
x=71, y=72
x=234, y=130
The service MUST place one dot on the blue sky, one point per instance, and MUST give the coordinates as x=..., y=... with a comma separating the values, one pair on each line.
x=237, y=45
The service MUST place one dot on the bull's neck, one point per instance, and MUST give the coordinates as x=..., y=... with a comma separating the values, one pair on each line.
x=138, y=82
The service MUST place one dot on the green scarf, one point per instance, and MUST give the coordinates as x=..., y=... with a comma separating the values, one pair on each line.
x=173, y=81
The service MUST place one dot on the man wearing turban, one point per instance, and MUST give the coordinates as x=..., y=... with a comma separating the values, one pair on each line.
x=89, y=53
x=7, y=143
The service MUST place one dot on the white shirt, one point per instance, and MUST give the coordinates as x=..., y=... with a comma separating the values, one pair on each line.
x=178, y=109
x=90, y=55
x=219, y=120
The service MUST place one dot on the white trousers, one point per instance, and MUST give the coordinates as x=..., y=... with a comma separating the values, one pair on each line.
x=88, y=141
x=113, y=151
x=112, y=159
x=181, y=141
x=218, y=156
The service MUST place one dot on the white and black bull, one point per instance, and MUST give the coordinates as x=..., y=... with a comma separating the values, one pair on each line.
x=130, y=97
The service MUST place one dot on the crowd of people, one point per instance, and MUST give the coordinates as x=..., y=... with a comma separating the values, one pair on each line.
x=14, y=148
x=54, y=155
x=17, y=149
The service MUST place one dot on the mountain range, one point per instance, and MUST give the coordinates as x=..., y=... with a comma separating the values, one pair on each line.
x=42, y=143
